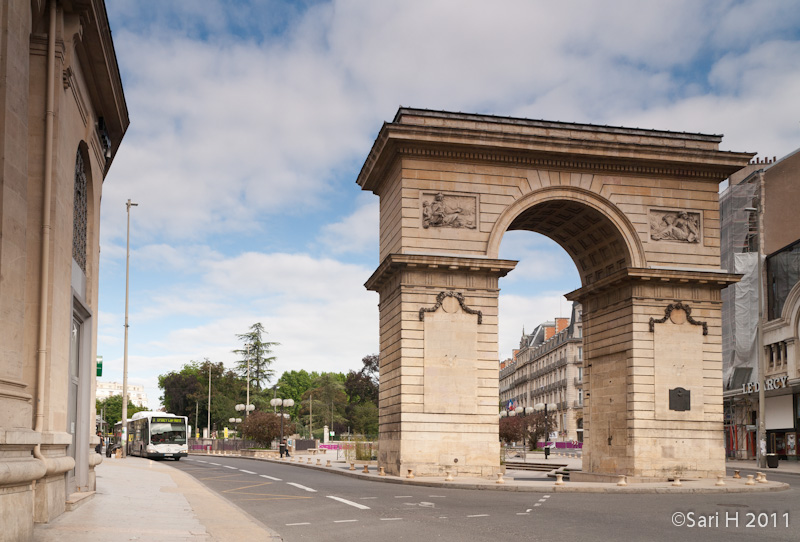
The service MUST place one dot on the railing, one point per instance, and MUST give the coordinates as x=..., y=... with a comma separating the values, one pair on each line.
x=220, y=444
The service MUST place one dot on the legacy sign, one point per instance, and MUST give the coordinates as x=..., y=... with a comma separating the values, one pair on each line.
x=769, y=384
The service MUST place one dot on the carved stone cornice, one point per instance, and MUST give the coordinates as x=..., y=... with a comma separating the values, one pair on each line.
x=547, y=145
x=395, y=263
x=631, y=275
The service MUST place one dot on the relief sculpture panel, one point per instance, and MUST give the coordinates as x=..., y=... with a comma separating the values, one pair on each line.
x=449, y=211
x=679, y=226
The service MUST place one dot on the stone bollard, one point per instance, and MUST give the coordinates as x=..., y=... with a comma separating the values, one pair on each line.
x=720, y=481
x=352, y=466
x=677, y=482
x=750, y=481
x=328, y=464
x=366, y=469
x=559, y=479
x=381, y=472
x=623, y=480
x=500, y=478
x=449, y=477
x=763, y=479
x=319, y=462
x=736, y=475
x=410, y=473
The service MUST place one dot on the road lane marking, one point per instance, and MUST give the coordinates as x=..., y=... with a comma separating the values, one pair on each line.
x=229, y=467
x=479, y=516
x=546, y=497
x=345, y=521
x=302, y=487
x=522, y=514
x=351, y=503
x=542, y=500
x=200, y=461
x=436, y=496
x=247, y=471
x=217, y=464
x=293, y=524
x=402, y=496
x=366, y=498
x=538, y=504
x=390, y=519
x=271, y=478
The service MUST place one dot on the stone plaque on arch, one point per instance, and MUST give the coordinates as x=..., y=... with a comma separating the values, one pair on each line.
x=450, y=362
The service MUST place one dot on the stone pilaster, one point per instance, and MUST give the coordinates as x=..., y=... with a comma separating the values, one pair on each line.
x=439, y=380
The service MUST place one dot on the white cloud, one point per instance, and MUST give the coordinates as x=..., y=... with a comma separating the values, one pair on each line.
x=356, y=233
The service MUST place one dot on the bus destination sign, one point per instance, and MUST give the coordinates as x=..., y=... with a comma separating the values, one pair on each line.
x=167, y=420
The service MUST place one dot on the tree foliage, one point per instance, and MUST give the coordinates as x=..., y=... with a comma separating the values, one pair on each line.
x=529, y=428
x=111, y=409
x=256, y=356
x=264, y=427
x=362, y=386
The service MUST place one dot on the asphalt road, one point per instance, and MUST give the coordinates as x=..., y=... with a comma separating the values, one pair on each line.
x=308, y=504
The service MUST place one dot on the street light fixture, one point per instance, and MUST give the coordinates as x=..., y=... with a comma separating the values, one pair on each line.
x=278, y=402
x=247, y=409
x=544, y=407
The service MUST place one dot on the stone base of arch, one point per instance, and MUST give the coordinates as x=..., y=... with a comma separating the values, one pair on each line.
x=438, y=368
x=653, y=374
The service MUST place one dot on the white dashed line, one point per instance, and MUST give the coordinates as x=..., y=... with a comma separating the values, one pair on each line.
x=402, y=496
x=546, y=497
x=368, y=498
x=271, y=478
x=523, y=514
x=293, y=524
x=229, y=467
x=345, y=521
x=436, y=496
x=479, y=516
x=538, y=504
x=247, y=471
x=217, y=464
x=542, y=500
x=302, y=487
x=391, y=519
x=200, y=461
x=351, y=503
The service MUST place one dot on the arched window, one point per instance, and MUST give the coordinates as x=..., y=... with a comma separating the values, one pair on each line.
x=79, y=217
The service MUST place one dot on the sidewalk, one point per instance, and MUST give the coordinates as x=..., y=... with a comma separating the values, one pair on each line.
x=138, y=499
x=149, y=500
x=784, y=467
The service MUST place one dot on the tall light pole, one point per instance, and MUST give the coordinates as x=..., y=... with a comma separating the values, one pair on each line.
x=249, y=346
x=129, y=204
x=762, y=369
x=545, y=407
x=209, y=399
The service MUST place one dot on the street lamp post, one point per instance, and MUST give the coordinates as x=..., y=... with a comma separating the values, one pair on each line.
x=762, y=370
x=544, y=407
x=278, y=402
x=129, y=204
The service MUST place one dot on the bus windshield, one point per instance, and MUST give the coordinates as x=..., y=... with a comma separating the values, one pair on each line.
x=166, y=431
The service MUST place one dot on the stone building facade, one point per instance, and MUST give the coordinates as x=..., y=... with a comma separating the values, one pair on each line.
x=62, y=119
x=548, y=368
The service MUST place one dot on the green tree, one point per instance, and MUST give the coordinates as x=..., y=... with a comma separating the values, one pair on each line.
x=186, y=392
x=364, y=418
x=328, y=397
x=256, y=355
x=362, y=386
x=111, y=408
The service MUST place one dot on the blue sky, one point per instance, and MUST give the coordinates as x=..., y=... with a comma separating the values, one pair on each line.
x=251, y=120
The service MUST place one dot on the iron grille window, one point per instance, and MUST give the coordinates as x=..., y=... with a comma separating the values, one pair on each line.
x=79, y=215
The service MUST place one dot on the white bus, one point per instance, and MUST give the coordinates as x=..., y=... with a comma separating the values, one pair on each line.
x=157, y=435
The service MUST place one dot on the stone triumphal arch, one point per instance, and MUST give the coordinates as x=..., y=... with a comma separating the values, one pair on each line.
x=635, y=209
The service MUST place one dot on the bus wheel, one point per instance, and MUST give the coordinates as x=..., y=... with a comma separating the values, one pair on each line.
x=177, y=458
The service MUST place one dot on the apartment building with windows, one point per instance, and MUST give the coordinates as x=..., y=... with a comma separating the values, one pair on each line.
x=548, y=368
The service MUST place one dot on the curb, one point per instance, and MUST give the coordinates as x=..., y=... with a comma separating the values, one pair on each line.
x=550, y=488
